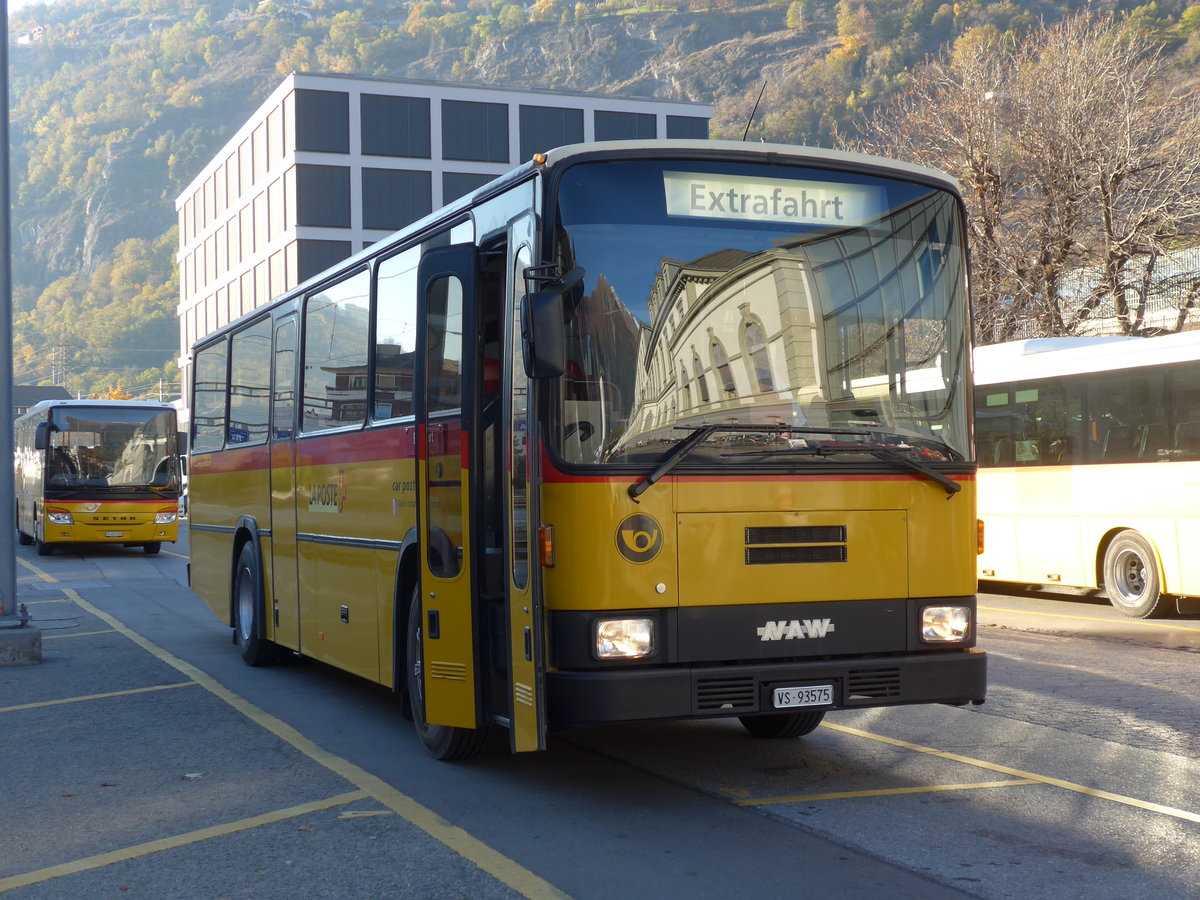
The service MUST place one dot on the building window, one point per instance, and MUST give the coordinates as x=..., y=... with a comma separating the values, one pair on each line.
x=546, y=127
x=701, y=381
x=459, y=184
x=687, y=127
x=721, y=364
x=393, y=198
x=323, y=121
x=395, y=126
x=477, y=132
x=314, y=257
x=756, y=352
x=323, y=196
x=624, y=126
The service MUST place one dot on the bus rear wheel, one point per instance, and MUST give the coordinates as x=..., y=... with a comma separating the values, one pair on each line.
x=1131, y=576
x=248, y=609
x=444, y=742
x=22, y=538
x=783, y=725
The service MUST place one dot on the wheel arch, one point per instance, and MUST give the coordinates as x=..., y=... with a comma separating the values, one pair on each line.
x=408, y=575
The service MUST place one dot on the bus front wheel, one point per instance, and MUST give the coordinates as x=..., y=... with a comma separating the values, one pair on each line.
x=783, y=725
x=1131, y=576
x=151, y=547
x=248, y=609
x=444, y=742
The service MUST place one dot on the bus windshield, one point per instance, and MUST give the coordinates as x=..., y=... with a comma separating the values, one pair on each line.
x=797, y=310
x=112, y=447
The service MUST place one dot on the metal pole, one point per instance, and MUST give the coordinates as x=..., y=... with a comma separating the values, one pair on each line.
x=8, y=502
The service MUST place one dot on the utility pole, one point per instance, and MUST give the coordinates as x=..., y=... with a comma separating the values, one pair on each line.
x=19, y=644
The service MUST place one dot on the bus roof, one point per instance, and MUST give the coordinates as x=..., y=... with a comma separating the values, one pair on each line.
x=91, y=404
x=1049, y=357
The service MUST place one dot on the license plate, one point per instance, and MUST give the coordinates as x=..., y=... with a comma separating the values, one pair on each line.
x=114, y=534
x=810, y=695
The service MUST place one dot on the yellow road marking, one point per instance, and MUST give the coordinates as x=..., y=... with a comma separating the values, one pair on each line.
x=144, y=690
x=50, y=637
x=1168, y=626
x=1018, y=773
x=56, y=600
x=506, y=870
x=36, y=571
x=884, y=792
x=171, y=843
x=365, y=813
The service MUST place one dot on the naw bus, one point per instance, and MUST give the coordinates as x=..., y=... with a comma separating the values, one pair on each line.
x=639, y=431
x=97, y=472
x=1089, y=453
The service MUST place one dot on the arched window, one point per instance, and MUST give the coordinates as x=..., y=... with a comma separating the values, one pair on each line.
x=701, y=381
x=756, y=351
x=683, y=383
x=721, y=365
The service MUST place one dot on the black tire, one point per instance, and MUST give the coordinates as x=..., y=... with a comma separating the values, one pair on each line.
x=1131, y=576
x=783, y=725
x=444, y=742
x=152, y=547
x=43, y=549
x=23, y=539
x=248, y=609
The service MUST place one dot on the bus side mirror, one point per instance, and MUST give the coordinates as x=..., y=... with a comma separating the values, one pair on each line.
x=41, y=438
x=545, y=339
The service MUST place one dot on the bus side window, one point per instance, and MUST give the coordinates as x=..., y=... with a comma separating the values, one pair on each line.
x=1187, y=440
x=1003, y=453
x=1151, y=441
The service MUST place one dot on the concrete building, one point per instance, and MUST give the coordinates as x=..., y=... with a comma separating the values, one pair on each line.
x=329, y=164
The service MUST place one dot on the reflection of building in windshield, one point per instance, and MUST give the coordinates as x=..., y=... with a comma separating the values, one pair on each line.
x=830, y=328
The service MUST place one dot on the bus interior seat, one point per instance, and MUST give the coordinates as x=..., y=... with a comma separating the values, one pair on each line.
x=1187, y=439
x=1003, y=453
x=1151, y=439
x=1118, y=443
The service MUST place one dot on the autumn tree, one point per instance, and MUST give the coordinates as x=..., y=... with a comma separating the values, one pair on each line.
x=1079, y=159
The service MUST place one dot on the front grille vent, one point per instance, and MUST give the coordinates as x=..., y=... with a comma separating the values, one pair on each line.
x=769, y=556
x=800, y=534
x=872, y=684
x=725, y=694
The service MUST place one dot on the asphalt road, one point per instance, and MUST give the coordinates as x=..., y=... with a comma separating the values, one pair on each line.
x=143, y=759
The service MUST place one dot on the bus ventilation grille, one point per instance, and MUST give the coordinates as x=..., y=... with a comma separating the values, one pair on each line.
x=797, y=534
x=767, y=556
x=732, y=694
x=873, y=684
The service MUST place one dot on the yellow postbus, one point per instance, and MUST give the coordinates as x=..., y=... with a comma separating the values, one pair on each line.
x=1089, y=454
x=639, y=431
x=97, y=471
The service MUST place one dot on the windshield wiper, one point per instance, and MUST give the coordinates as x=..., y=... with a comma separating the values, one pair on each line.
x=879, y=451
x=676, y=454
x=668, y=462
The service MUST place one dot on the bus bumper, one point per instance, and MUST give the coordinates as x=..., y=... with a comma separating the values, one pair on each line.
x=692, y=692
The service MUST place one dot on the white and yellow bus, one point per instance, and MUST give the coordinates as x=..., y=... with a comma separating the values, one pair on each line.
x=1089, y=454
x=97, y=471
x=640, y=431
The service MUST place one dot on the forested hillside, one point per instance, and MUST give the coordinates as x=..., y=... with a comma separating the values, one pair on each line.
x=116, y=105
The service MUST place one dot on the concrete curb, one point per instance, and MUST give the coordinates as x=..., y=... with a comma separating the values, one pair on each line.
x=20, y=646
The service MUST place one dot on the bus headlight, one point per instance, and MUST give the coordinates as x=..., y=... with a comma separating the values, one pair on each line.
x=945, y=624
x=624, y=638
x=165, y=518
x=60, y=518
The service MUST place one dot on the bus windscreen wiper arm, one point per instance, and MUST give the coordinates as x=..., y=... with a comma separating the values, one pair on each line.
x=678, y=452
x=952, y=487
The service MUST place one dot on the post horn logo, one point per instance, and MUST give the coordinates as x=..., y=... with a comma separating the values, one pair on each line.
x=639, y=538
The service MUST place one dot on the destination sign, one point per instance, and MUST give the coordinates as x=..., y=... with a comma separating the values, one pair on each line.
x=712, y=196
